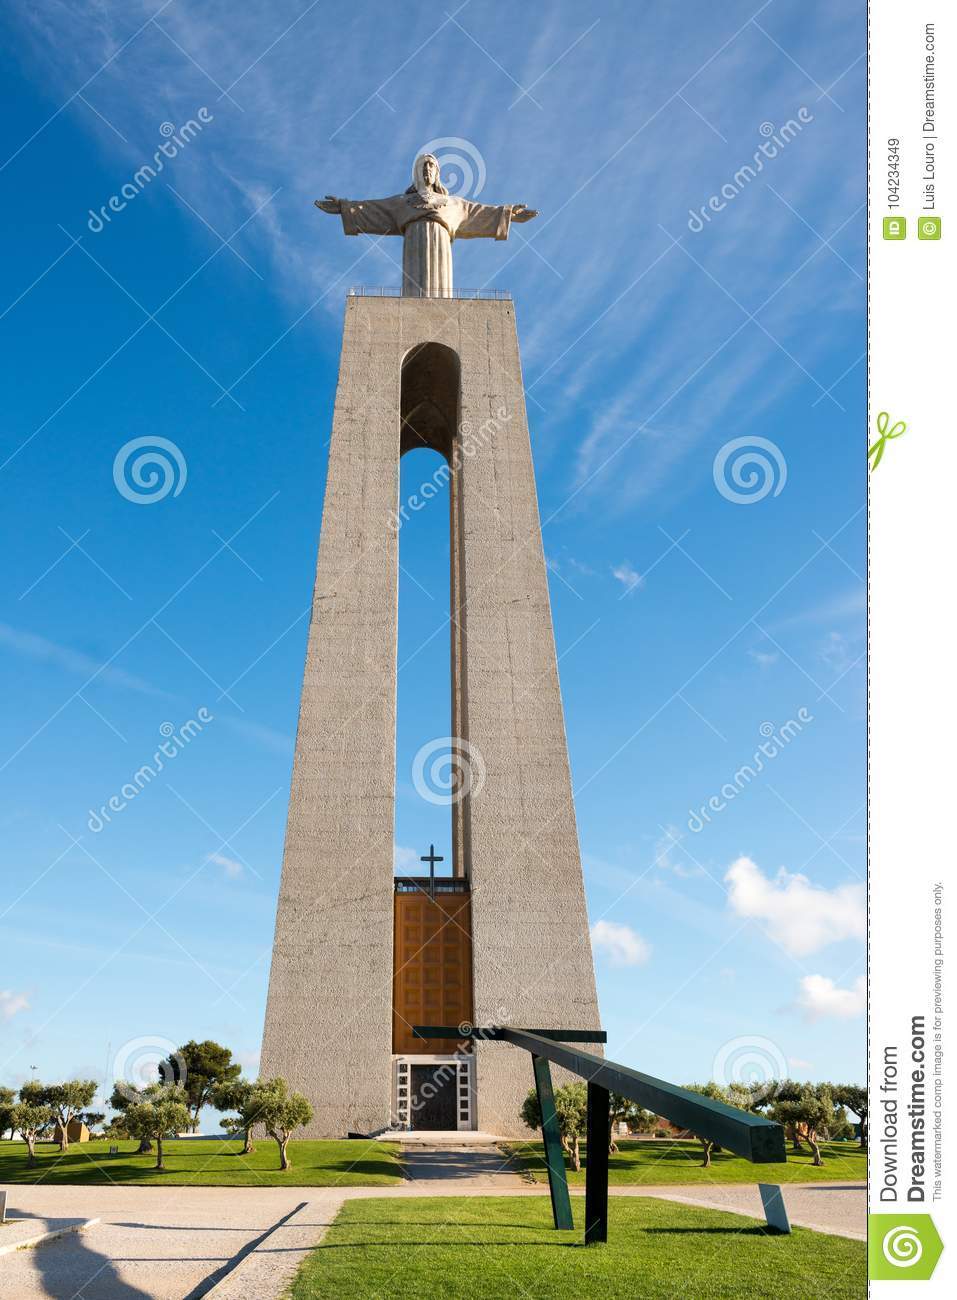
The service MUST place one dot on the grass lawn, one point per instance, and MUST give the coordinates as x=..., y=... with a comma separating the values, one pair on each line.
x=207, y=1163
x=498, y=1247
x=660, y=1163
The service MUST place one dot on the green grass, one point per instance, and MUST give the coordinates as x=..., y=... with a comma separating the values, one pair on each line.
x=661, y=1163
x=207, y=1163
x=502, y=1247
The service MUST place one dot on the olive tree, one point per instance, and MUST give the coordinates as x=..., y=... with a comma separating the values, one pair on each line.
x=716, y=1093
x=810, y=1114
x=240, y=1096
x=29, y=1120
x=854, y=1097
x=7, y=1102
x=123, y=1096
x=66, y=1101
x=280, y=1112
x=571, y=1108
x=161, y=1112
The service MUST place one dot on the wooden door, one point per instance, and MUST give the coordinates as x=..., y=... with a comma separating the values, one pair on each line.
x=432, y=973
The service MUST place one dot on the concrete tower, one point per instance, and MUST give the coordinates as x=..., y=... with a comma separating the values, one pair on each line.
x=359, y=955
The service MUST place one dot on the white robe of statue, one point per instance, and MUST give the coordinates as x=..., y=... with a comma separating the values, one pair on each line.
x=428, y=218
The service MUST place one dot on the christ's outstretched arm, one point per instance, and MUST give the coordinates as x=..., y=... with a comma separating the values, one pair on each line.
x=490, y=221
x=362, y=216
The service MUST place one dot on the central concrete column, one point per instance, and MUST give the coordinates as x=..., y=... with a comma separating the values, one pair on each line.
x=328, y=1020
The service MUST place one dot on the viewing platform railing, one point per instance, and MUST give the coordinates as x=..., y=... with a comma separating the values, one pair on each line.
x=431, y=885
x=394, y=291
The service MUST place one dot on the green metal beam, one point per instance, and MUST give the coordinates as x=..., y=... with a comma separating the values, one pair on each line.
x=552, y=1138
x=598, y=1140
x=496, y=1033
x=751, y=1136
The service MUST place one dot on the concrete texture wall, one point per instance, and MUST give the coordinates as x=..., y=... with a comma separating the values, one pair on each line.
x=328, y=1019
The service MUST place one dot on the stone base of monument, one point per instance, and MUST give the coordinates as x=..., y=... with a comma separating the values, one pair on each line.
x=440, y=1138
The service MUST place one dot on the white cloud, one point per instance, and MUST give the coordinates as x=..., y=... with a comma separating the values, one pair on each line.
x=405, y=860
x=800, y=916
x=11, y=1003
x=763, y=658
x=250, y=1063
x=622, y=945
x=795, y=1063
x=837, y=652
x=820, y=996
x=627, y=576
x=230, y=866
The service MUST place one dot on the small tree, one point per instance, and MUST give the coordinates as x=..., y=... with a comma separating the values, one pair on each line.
x=239, y=1096
x=123, y=1096
x=7, y=1102
x=29, y=1120
x=571, y=1107
x=65, y=1101
x=279, y=1111
x=621, y=1110
x=811, y=1114
x=161, y=1113
x=766, y=1097
x=199, y=1067
x=854, y=1097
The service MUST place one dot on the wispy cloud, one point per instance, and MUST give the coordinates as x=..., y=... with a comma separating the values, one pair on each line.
x=312, y=109
x=763, y=658
x=12, y=1003
x=231, y=868
x=629, y=577
x=38, y=648
x=848, y=605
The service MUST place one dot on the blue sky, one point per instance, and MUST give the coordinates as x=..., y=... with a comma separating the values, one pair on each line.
x=686, y=621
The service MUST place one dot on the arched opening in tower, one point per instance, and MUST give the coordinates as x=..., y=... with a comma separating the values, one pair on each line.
x=432, y=981
x=432, y=748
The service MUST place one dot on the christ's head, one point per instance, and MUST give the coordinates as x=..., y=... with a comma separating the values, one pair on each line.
x=426, y=174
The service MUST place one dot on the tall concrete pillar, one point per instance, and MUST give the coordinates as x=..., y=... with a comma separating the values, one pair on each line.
x=328, y=1019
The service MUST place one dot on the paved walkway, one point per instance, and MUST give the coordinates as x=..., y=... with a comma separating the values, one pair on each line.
x=448, y=1169
x=839, y=1209
x=186, y=1242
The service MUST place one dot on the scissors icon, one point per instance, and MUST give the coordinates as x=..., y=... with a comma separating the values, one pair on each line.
x=886, y=431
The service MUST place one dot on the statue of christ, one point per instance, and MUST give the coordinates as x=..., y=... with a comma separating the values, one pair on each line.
x=428, y=218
